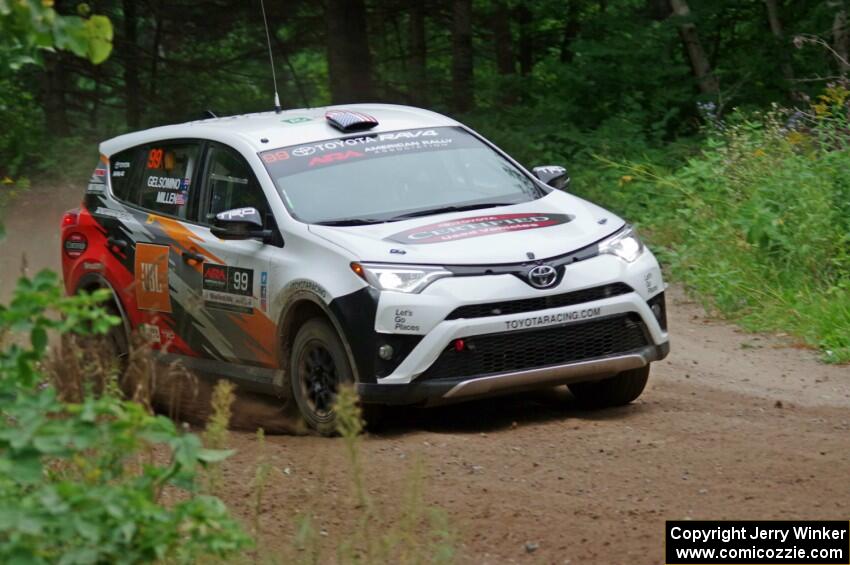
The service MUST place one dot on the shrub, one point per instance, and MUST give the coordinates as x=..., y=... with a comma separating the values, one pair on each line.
x=96, y=481
x=758, y=223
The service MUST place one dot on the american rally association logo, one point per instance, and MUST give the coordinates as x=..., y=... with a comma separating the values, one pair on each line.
x=479, y=226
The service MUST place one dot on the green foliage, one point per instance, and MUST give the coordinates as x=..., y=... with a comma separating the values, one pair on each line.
x=99, y=481
x=28, y=26
x=23, y=124
x=757, y=224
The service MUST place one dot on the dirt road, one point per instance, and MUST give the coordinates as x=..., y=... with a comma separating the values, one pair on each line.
x=731, y=426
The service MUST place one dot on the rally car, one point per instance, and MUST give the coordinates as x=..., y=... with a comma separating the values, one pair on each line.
x=384, y=246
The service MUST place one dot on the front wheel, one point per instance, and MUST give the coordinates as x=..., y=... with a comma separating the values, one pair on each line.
x=318, y=368
x=618, y=390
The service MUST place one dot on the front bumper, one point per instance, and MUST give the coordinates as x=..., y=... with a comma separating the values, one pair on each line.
x=541, y=347
x=445, y=391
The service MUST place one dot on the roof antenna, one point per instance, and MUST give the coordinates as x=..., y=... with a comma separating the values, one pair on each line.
x=277, y=109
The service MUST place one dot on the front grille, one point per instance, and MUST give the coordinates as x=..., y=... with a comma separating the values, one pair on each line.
x=539, y=303
x=532, y=349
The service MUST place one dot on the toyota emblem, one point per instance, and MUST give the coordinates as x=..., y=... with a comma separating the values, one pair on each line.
x=542, y=276
x=303, y=151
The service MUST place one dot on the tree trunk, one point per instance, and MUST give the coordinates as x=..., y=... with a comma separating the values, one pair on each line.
x=131, y=66
x=526, y=54
x=462, y=64
x=53, y=91
x=706, y=80
x=417, y=68
x=776, y=30
x=502, y=40
x=840, y=39
x=157, y=38
x=571, y=31
x=659, y=10
x=349, y=60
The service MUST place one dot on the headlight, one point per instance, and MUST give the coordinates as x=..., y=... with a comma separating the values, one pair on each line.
x=626, y=245
x=399, y=278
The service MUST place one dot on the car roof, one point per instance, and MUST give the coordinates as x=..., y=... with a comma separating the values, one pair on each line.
x=289, y=127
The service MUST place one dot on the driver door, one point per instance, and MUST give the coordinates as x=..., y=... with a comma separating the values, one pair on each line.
x=235, y=275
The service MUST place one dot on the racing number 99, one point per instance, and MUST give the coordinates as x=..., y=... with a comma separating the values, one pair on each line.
x=240, y=280
x=155, y=159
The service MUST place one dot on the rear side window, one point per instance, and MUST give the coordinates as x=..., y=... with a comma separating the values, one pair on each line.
x=123, y=167
x=166, y=180
x=231, y=183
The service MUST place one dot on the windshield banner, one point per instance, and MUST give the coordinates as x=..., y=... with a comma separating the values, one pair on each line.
x=316, y=155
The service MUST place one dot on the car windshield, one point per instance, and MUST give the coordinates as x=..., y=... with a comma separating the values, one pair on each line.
x=380, y=177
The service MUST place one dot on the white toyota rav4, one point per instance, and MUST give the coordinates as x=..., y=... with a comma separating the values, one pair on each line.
x=384, y=246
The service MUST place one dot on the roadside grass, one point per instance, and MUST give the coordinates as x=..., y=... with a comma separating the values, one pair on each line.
x=756, y=225
x=416, y=532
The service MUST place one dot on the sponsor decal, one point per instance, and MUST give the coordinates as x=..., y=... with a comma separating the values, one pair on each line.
x=651, y=284
x=239, y=213
x=75, y=245
x=409, y=146
x=550, y=319
x=121, y=165
x=169, y=335
x=228, y=288
x=118, y=174
x=93, y=266
x=150, y=333
x=215, y=277
x=296, y=120
x=167, y=183
x=264, y=291
x=303, y=151
x=478, y=226
x=361, y=140
x=310, y=286
x=117, y=214
x=96, y=188
x=151, y=274
x=331, y=157
x=401, y=320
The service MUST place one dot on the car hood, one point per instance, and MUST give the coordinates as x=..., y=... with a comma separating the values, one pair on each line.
x=550, y=226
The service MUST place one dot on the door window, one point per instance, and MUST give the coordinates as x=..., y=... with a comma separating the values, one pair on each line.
x=231, y=184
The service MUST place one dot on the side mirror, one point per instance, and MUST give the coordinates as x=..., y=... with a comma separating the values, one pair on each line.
x=554, y=176
x=240, y=223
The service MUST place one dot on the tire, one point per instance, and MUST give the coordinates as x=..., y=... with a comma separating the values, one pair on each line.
x=318, y=367
x=618, y=390
x=117, y=339
x=115, y=343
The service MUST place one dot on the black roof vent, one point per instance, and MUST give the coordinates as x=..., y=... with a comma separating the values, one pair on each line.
x=347, y=121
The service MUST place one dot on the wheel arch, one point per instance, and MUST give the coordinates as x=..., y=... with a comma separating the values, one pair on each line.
x=95, y=281
x=300, y=307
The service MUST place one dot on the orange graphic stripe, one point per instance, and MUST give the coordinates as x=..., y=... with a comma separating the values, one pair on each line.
x=185, y=239
x=263, y=331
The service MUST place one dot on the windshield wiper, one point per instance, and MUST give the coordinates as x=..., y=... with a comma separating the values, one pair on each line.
x=350, y=222
x=446, y=209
